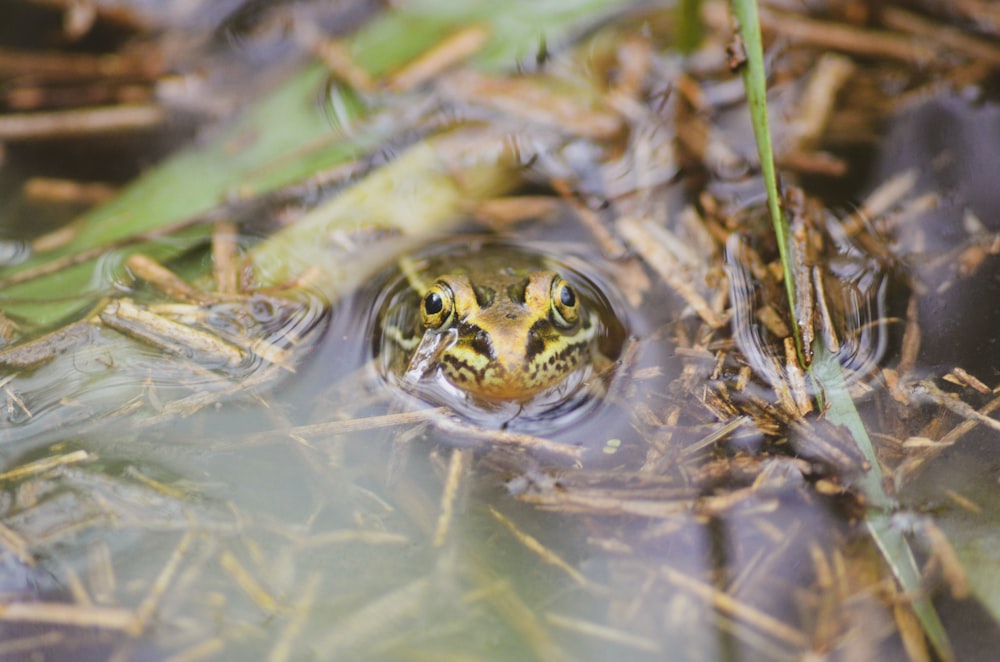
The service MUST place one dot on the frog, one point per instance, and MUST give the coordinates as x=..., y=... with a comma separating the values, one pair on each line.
x=503, y=335
x=496, y=327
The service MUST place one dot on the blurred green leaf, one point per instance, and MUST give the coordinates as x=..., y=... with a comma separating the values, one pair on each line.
x=282, y=139
x=190, y=183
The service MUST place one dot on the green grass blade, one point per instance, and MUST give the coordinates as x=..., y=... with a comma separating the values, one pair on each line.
x=890, y=540
x=825, y=370
x=755, y=81
x=896, y=551
x=828, y=377
x=691, y=30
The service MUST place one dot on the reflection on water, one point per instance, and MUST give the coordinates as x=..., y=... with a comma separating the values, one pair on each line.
x=947, y=146
x=186, y=356
x=846, y=291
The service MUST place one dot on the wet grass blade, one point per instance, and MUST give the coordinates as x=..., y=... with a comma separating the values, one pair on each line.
x=755, y=81
x=890, y=540
x=691, y=30
x=825, y=370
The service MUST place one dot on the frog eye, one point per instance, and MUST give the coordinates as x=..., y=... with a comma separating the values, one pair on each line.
x=565, y=307
x=437, y=306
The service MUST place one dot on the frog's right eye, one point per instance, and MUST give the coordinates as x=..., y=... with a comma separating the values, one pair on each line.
x=565, y=307
x=437, y=307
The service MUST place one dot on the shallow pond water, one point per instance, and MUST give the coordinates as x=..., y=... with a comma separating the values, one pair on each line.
x=373, y=526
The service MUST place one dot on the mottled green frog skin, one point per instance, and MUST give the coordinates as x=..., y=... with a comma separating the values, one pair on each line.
x=502, y=334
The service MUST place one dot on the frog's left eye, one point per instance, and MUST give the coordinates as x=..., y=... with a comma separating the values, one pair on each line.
x=565, y=306
x=437, y=306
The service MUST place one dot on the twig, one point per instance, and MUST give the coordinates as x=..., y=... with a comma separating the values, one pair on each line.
x=40, y=351
x=225, y=263
x=532, y=100
x=246, y=581
x=151, y=603
x=149, y=270
x=449, y=51
x=85, y=122
x=15, y=543
x=45, y=464
x=47, y=189
x=653, y=244
x=510, y=439
x=949, y=37
x=850, y=39
x=741, y=611
x=166, y=335
x=282, y=649
x=81, y=616
x=605, y=633
x=536, y=546
x=457, y=466
x=72, y=67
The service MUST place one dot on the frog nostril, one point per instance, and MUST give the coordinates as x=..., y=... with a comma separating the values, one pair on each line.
x=535, y=345
x=482, y=345
x=512, y=316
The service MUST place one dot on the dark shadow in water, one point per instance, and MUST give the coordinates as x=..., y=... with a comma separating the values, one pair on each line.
x=953, y=144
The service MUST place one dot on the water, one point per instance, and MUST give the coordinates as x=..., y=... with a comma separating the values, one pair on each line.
x=848, y=291
x=284, y=483
x=333, y=508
